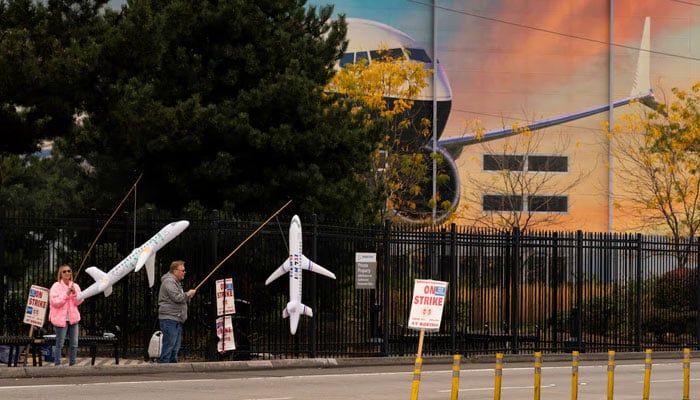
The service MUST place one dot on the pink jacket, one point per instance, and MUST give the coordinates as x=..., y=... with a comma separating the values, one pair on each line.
x=63, y=307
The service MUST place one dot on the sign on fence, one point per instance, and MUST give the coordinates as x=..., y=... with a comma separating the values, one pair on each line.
x=224, y=331
x=365, y=270
x=37, y=303
x=224, y=297
x=427, y=304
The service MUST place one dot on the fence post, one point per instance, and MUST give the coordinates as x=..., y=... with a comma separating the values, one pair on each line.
x=639, y=295
x=555, y=290
x=3, y=291
x=385, y=286
x=697, y=293
x=579, y=290
x=453, y=287
x=515, y=276
x=126, y=296
x=314, y=290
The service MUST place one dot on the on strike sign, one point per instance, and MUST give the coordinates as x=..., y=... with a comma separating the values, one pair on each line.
x=224, y=297
x=428, y=302
x=37, y=303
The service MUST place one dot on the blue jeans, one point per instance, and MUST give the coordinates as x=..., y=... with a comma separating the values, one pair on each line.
x=72, y=331
x=172, y=335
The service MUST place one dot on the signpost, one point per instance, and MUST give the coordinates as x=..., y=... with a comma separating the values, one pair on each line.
x=426, y=314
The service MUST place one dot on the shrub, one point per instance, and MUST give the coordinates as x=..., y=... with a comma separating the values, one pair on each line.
x=661, y=321
x=677, y=289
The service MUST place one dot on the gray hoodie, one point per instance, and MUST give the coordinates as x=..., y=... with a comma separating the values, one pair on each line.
x=172, y=300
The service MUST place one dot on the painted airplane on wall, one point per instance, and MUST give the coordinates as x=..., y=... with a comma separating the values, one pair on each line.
x=294, y=265
x=368, y=40
x=140, y=256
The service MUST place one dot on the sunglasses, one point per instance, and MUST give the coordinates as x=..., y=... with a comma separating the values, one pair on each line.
x=66, y=271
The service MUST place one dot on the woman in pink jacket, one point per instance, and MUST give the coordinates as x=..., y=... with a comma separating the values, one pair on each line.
x=64, y=314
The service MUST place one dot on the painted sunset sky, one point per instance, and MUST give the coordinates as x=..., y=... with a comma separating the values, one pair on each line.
x=513, y=60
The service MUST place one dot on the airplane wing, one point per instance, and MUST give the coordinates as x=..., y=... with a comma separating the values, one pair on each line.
x=313, y=267
x=145, y=253
x=454, y=145
x=108, y=291
x=96, y=273
x=283, y=269
x=641, y=91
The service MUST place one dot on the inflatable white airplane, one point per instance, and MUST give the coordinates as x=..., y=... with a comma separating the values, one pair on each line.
x=294, y=265
x=140, y=256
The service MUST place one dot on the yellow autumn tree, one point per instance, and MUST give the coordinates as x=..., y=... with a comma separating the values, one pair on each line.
x=657, y=156
x=381, y=94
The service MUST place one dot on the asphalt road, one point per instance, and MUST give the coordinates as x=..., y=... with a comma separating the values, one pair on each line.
x=356, y=381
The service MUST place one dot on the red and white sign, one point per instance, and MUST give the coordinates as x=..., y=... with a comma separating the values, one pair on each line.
x=37, y=303
x=224, y=297
x=427, y=304
x=224, y=331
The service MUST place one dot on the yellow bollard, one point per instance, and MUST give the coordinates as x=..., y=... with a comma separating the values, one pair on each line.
x=499, y=377
x=574, y=375
x=686, y=374
x=647, y=375
x=611, y=373
x=416, y=378
x=455, y=377
x=538, y=374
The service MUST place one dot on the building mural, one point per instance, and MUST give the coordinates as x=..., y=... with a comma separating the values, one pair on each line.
x=511, y=62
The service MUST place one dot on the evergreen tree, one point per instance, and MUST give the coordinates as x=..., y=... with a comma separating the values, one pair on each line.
x=222, y=103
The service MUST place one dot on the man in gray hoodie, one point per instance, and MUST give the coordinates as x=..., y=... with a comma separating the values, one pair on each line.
x=172, y=310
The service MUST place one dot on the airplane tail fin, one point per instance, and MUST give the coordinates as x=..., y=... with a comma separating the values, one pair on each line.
x=98, y=276
x=642, y=82
x=96, y=273
x=297, y=310
x=306, y=310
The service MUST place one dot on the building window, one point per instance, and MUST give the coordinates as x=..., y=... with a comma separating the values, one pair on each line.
x=535, y=203
x=548, y=203
x=387, y=54
x=548, y=163
x=498, y=202
x=416, y=54
x=362, y=55
x=348, y=58
x=499, y=162
x=515, y=162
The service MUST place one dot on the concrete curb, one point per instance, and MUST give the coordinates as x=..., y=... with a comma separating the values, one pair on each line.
x=218, y=366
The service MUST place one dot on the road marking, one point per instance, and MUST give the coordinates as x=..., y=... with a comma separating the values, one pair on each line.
x=491, y=388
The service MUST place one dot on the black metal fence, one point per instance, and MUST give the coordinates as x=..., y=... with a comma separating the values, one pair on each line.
x=507, y=291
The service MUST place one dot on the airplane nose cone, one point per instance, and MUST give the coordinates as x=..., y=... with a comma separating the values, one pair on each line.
x=180, y=226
